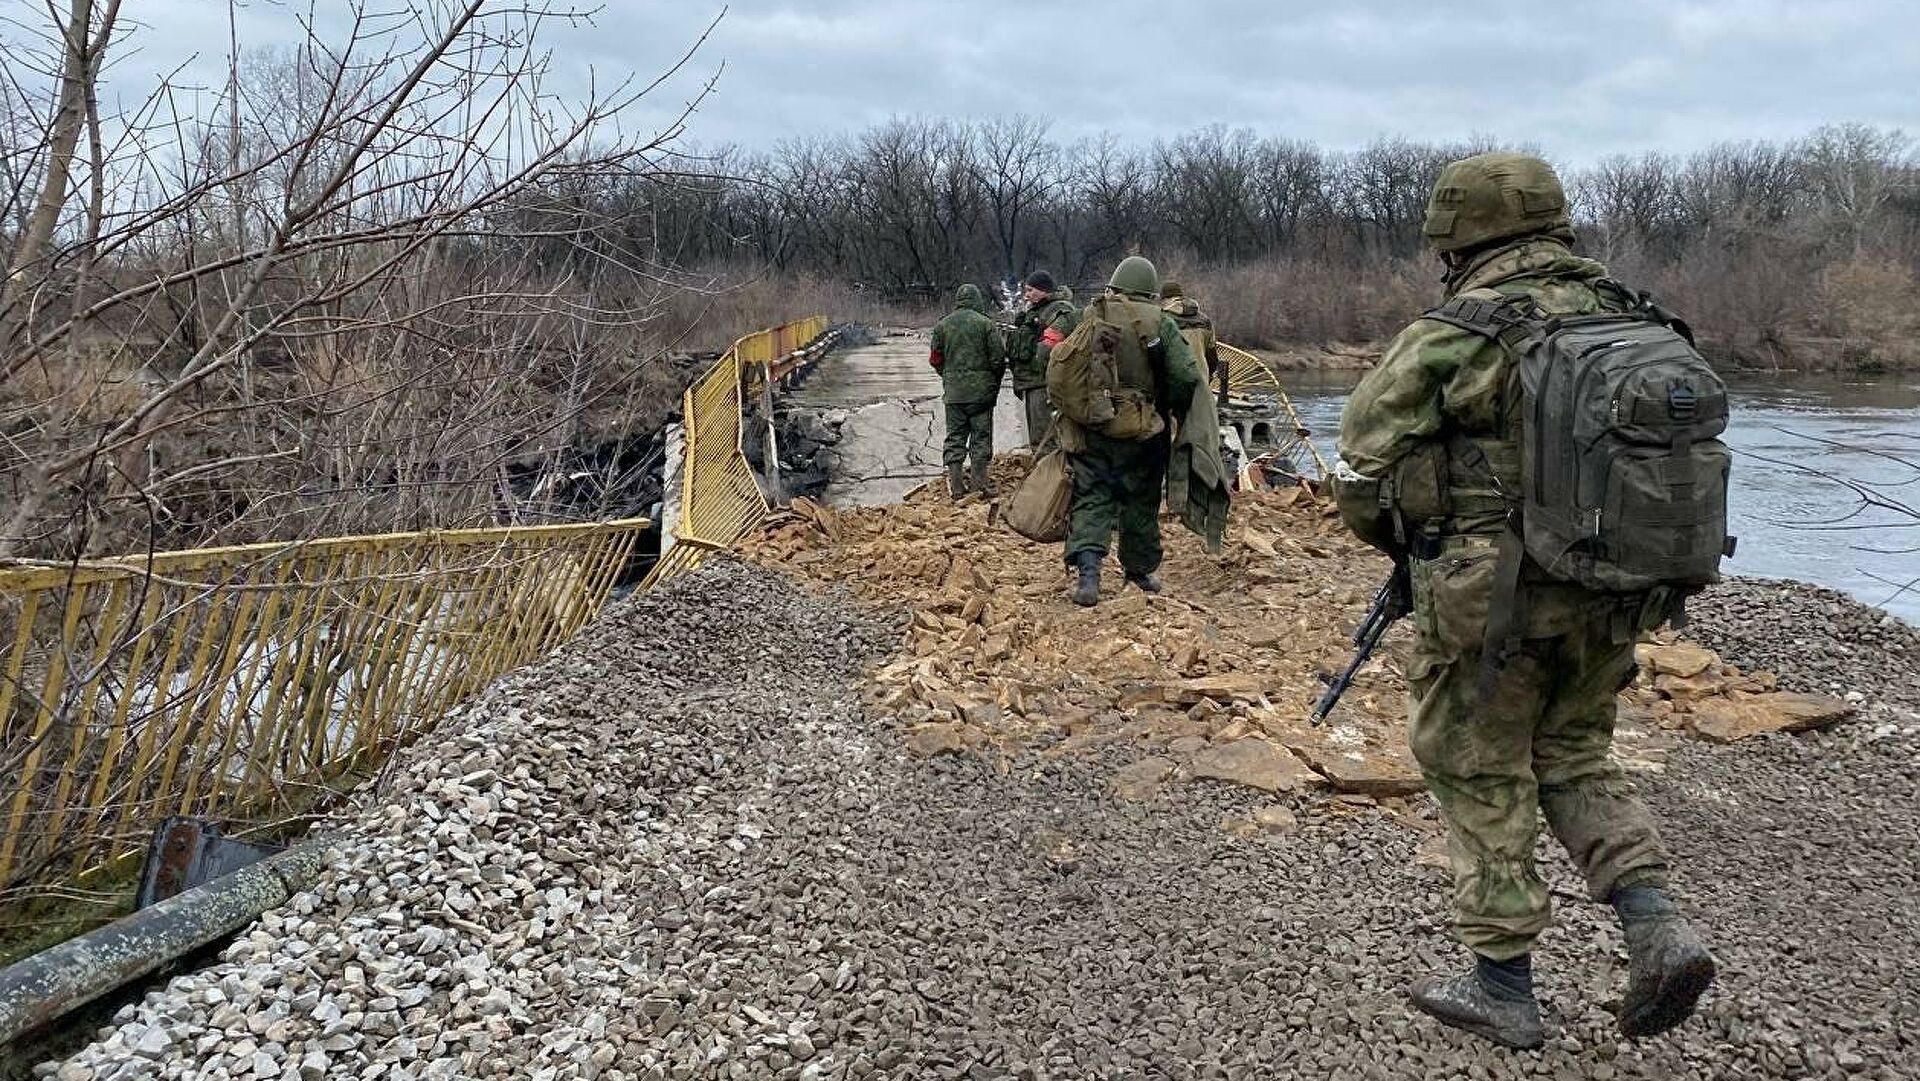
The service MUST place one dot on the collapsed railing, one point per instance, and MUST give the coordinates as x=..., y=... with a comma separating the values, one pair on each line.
x=1250, y=377
x=720, y=497
x=251, y=684
x=246, y=683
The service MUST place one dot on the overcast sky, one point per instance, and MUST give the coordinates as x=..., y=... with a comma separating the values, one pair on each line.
x=1581, y=81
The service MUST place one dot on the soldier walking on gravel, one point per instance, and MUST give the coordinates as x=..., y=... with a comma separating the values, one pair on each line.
x=1119, y=381
x=1044, y=323
x=966, y=354
x=1518, y=721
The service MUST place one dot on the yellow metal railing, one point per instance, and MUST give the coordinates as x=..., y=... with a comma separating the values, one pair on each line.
x=720, y=501
x=244, y=683
x=1249, y=376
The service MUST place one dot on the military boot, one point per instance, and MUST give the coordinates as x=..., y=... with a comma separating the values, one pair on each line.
x=1149, y=582
x=1668, y=966
x=1086, y=592
x=1494, y=1001
x=957, y=480
x=979, y=479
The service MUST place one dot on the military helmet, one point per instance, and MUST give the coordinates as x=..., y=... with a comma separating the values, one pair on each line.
x=1170, y=290
x=1492, y=197
x=968, y=296
x=1135, y=275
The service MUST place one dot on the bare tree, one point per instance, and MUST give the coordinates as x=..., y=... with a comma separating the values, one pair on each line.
x=331, y=299
x=1019, y=169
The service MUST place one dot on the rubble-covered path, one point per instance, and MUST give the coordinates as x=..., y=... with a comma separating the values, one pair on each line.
x=681, y=848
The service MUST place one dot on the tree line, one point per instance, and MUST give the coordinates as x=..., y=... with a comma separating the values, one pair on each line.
x=1755, y=236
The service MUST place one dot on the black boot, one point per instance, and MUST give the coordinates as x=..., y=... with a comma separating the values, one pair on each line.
x=1494, y=1000
x=979, y=479
x=957, y=480
x=1086, y=592
x=1149, y=582
x=1668, y=966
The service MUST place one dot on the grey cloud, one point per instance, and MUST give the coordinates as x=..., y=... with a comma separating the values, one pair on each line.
x=1580, y=82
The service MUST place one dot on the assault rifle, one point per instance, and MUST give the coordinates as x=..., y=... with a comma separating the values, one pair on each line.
x=1393, y=600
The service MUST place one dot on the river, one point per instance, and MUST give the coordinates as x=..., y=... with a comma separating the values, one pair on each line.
x=1797, y=440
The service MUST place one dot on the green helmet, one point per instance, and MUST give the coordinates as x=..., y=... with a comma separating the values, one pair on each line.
x=1135, y=275
x=1492, y=197
x=968, y=296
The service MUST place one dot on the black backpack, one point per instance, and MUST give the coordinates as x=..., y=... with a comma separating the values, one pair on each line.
x=1623, y=474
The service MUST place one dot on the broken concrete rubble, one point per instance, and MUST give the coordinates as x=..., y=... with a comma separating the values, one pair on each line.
x=1210, y=680
x=1254, y=763
x=1727, y=719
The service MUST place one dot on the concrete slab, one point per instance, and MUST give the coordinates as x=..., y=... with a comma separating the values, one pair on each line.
x=894, y=424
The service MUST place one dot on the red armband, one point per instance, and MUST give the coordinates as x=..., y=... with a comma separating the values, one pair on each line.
x=934, y=359
x=1052, y=337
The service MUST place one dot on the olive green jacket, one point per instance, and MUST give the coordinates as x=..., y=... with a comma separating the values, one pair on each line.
x=966, y=345
x=1029, y=344
x=1197, y=488
x=1197, y=329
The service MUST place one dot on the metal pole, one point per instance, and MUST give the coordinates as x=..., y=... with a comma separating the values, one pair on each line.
x=47, y=985
x=776, y=489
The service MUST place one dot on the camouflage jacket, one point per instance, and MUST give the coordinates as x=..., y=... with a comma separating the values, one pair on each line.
x=1438, y=382
x=966, y=345
x=1197, y=329
x=1034, y=333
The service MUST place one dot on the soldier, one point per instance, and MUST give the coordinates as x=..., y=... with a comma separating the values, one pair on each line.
x=965, y=354
x=1429, y=458
x=1197, y=329
x=1045, y=322
x=1118, y=478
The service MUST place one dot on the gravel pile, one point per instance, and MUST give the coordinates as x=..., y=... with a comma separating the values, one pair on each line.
x=677, y=850
x=1815, y=638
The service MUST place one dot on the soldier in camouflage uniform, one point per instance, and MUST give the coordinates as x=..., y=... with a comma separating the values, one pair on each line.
x=1119, y=483
x=1429, y=448
x=966, y=354
x=1197, y=328
x=1045, y=322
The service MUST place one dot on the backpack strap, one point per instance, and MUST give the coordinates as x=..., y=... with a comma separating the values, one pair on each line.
x=1505, y=320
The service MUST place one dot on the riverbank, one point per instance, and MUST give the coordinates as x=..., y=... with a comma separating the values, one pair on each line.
x=1819, y=357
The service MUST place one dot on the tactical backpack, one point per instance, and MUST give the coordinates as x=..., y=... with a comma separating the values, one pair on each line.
x=1623, y=476
x=1102, y=375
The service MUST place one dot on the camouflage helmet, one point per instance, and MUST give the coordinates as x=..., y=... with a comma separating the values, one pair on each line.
x=1135, y=275
x=1170, y=290
x=1492, y=197
x=968, y=296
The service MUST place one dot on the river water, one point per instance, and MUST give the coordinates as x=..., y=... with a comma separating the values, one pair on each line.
x=1799, y=441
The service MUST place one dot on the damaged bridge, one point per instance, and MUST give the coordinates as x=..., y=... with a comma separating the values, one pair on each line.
x=852, y=791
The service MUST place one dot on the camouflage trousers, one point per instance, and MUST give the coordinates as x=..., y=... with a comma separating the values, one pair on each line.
x=1119, y=485
x=1036, y=412
x=1539, y=744
x=969, y=434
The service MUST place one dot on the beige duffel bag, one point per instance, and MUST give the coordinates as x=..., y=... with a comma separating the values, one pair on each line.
x=1038, y=508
